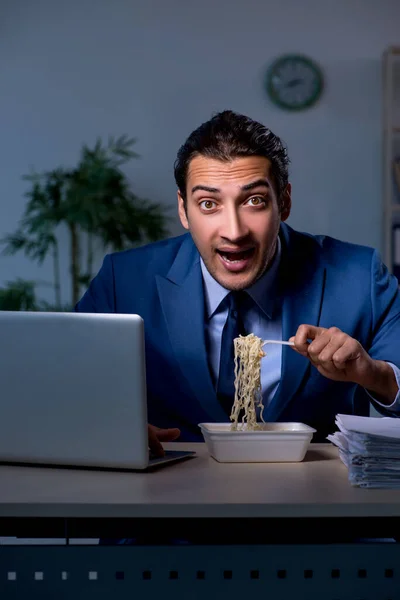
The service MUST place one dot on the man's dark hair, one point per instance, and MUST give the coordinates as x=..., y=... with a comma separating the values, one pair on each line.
x=229, y=135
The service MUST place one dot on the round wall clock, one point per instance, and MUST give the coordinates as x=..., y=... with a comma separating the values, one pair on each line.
x=294, y=82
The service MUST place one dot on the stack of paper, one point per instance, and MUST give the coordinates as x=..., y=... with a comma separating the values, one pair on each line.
x=370, y=449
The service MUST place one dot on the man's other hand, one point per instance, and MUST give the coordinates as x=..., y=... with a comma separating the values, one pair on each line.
x=157, y=435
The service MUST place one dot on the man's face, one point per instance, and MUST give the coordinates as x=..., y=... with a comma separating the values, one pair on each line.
x=233, y=216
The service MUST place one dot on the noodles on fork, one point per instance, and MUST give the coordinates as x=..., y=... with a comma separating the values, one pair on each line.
x=248, y=394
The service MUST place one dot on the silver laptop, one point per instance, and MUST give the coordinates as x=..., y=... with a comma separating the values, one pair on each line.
x=73, y=391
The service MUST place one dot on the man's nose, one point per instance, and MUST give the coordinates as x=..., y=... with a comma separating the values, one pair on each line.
x=233, y=227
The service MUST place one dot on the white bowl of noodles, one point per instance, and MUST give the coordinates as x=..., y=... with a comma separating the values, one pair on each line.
x=270, y=442
x=245, y=439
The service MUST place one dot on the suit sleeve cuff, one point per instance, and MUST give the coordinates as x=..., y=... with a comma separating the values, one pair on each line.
x=396, y=403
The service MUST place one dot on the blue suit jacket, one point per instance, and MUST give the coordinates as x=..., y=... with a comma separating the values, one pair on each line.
x=322, y=282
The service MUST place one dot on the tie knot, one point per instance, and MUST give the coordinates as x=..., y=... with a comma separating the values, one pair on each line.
x=235, y=300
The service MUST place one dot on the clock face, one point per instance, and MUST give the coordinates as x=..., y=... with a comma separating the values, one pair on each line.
x=294, y=82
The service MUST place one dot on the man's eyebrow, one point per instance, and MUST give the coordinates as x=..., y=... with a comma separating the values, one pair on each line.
x=245, y=188
x=256, y=184
x=205, y=188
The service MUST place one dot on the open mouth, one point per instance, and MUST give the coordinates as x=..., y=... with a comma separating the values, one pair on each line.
x=235, y=257
x=236, y=261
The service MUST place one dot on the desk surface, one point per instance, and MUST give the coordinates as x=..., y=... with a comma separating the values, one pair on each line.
x=199, y=487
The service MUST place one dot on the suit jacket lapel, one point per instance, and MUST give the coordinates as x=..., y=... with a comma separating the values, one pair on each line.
x=182, y=301
x=301, y=285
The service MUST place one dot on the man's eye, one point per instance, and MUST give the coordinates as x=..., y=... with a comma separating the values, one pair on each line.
x=256, y=201
x=207, y=204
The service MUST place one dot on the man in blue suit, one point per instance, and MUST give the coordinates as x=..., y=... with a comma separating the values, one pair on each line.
x=240, y=260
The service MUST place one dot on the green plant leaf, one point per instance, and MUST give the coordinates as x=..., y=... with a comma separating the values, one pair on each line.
x=18, y=295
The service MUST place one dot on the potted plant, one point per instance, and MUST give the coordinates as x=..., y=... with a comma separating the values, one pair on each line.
x=95, y=202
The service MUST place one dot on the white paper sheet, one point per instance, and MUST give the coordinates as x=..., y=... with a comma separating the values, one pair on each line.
x=382, y=426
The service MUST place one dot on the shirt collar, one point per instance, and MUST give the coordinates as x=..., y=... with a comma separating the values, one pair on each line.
x=262, y=291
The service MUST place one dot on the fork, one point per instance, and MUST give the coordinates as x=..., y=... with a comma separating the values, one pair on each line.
x=277, y=342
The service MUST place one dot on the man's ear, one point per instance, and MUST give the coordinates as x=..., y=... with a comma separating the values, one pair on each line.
x=182, y=211
x=286, y=202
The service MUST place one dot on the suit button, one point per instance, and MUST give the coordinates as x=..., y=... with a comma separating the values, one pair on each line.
x=235, y=314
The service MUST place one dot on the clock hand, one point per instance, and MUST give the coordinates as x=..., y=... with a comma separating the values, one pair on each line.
x=294, y=82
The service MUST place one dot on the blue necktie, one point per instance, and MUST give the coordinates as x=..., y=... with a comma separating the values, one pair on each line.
x=232, y=329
